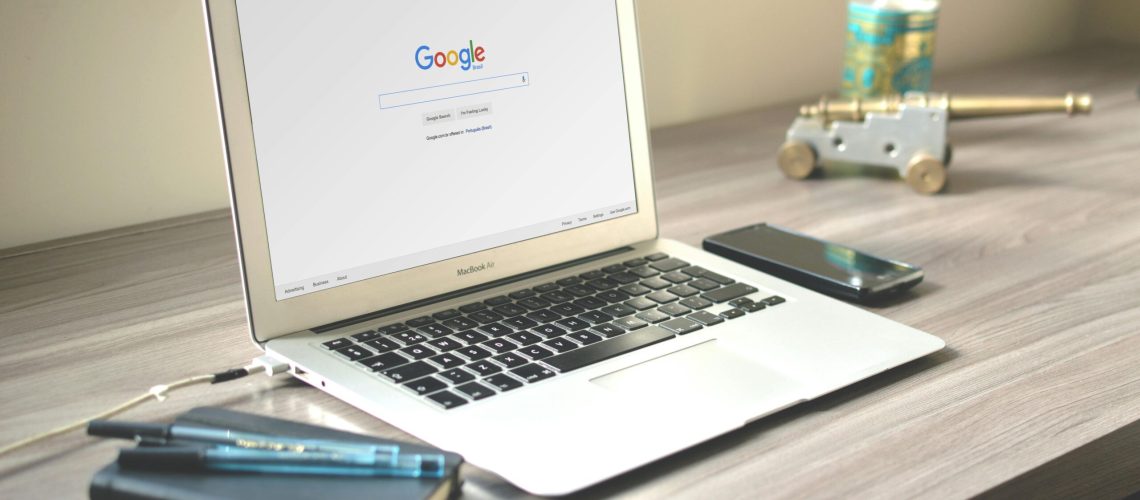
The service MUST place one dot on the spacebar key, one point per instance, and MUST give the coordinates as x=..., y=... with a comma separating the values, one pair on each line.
x=602, y=351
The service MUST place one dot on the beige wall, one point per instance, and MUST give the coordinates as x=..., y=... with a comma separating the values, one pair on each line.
x=107, y=116
x=1112, y=21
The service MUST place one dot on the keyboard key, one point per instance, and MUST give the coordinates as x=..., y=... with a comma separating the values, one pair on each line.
x=484, y=368
x=420, y=321
x=630, y=323
x=461, y=323
x=475, y=390
x=696, y=303
x=653, y=316
x=613, y=296
x=522, y=294
x=410, y=371
x=675, y=310
x=591, y=275
x=703, y=284
x=560, y=345
x=419, y=351
x=579, y=290
x=384, y=361
x=548, y=331
x=510, y=310
x=457, y=375
x=535, y=352
x=625, y=278
x=382, y=344
x=618, y=310
x=681, y=325
x=393, y=328
x=706, y=318
x=700, y=272
x=569, y=281
x=666, y=265
x=740, y=302
x=409, y=337
x=447, y=399
x=608, y=330
x=545, y=287
x=520, y=323
x=485, y=316
x=644, y=272
x=354, y=352
x=544, y=316
x=730, y=292
x=611, y=348
x=436, y=330
x=471, y=337
x=446, y=314
x=583, y=337
x=615, y=268
x=603, y=284
x=774, y=300
x=753, y=307
x=572, y=323
x=567, y=309
x=497, y=300
x=473, y=352
x=533, y=373
x=656, y=257
x=510, y=359
x=500, y=345
x=732, y=313
x=635, y=262
x=662, y=297
x=525, y=338
x=447, y=361
x=590, y=303
x=676, y=277
x=557, y=297
x=503, y=382
x=595, y=317
x=426, y=385
x=366, y=336
x=472, y=307
x=684, y=291
x=335, y=344
x=534, y=303
x=495, y=329
x=641, y=303
x=656, y=283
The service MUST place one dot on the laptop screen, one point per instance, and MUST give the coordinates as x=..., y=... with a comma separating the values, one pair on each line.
x=391, y=135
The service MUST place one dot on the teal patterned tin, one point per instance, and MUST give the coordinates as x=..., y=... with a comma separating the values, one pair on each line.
x=890, y=48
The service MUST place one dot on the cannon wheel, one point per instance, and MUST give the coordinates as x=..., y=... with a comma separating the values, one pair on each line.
x=926, y=174
x=796, y=160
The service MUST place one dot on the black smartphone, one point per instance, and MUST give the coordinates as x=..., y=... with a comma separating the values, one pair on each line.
x=825, y=267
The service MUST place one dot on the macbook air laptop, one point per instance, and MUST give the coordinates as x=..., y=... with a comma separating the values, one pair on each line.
x=445, y=218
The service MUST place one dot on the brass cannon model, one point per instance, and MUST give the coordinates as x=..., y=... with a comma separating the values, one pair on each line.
x=907, y=133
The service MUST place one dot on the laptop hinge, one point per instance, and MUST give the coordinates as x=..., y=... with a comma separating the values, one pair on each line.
x=464, y=291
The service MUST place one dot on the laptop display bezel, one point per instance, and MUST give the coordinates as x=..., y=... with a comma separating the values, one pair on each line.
x=270, y=318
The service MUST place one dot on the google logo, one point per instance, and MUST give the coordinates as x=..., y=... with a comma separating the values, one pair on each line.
x=465, y=58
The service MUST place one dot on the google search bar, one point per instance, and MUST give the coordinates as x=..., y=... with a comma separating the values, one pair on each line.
x=452, y=90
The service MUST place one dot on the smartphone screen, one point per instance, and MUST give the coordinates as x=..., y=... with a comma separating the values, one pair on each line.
x=809, y=255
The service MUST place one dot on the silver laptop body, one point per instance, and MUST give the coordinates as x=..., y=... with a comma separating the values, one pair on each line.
x=412, y=180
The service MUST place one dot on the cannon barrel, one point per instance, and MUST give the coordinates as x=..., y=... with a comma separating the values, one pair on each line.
x=957, y=107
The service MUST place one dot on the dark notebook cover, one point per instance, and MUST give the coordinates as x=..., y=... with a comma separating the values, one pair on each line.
x=113, y=482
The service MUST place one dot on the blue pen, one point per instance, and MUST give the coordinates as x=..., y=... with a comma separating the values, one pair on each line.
x=224, y=437
x=230, y=459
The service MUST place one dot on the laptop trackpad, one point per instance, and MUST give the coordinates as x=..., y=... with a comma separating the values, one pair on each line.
x=704, y=379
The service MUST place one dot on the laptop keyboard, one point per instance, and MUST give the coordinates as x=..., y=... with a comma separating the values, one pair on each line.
x=456, y=356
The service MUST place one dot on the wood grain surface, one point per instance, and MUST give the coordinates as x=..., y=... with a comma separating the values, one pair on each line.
x=1033, y=279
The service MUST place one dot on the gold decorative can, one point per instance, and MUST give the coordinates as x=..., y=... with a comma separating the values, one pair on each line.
x=890, y=47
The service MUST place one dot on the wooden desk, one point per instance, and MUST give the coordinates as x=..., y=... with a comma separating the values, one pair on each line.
x=1033, y=262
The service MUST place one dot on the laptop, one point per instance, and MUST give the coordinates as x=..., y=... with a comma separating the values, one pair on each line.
x=445, y=217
